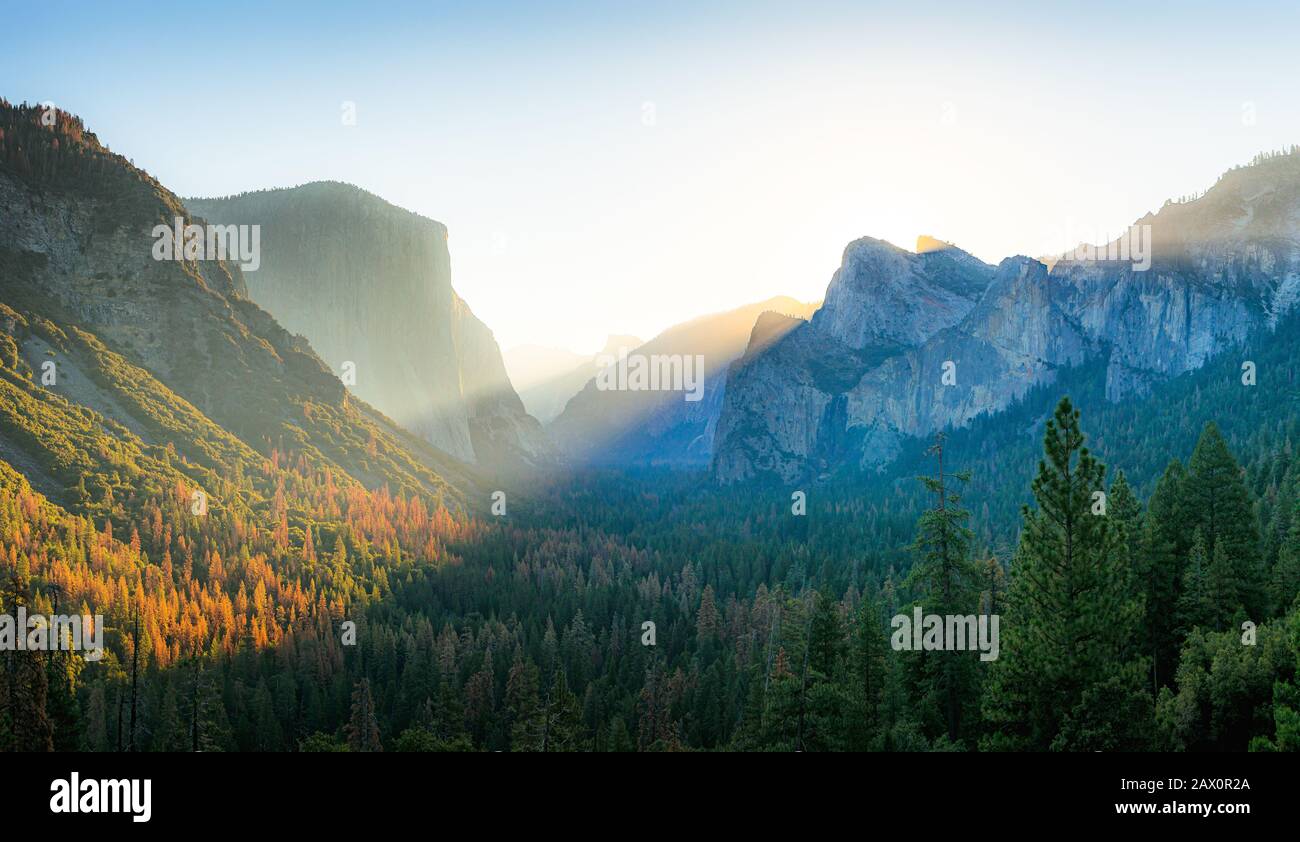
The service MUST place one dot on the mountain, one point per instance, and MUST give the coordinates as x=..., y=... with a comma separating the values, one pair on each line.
x=547, y=377
x=907, y=344
x=369, y=283
x=617, y=422
x=126, y=377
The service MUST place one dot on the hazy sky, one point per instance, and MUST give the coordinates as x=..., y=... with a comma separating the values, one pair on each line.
x=621, y=167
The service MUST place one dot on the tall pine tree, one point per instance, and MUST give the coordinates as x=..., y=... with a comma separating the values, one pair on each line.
x=1067, y=650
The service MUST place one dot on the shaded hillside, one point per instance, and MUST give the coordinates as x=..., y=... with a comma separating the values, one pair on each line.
x=145, y=342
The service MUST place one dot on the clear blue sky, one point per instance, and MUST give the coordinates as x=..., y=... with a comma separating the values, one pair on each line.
x=619, y=167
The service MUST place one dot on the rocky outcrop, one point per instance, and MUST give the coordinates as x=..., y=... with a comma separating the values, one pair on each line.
x=78, y=256
x=905, y=345
x=502, y=433
x=912, y=295
x=369, y=284
x=786, y=407
x=662, y=426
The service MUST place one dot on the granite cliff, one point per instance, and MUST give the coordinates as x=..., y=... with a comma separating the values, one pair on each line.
x=910, y=343
x=368, y=283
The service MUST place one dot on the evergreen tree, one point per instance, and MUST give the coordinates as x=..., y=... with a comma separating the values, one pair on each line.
x=363, y=725
x=1168, y=513
x=1223, y=593
x=1195, y=606
x=96, y=736
x=523, y=706
x=1071, y=618
x=268, y=734
x=562, y=728
x=1125, y=511
x=823, y=693
x=1286, y=573
x=24, y=685
x=1157, y=572
x=1216, y=501
x=619, y=738
x=866, y=692
x=947, y=582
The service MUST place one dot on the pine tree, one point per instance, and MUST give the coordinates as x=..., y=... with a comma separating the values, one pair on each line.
x=748, y=736
x=825, y=637
x=867, y=674
x=822, y=706
x=1157, y=572
x=268, y=734
x=1125, y=511
x=1216, y=500
x=706, y=620
x=1195, y=606
x=523, y=706
x=1285, y=581
x=562, y=728
x=24, y=687
x=1223, y=593
x=363, y=726
x=619, y=738
x=947, y=582
x=1071, y=615
x=169, y=731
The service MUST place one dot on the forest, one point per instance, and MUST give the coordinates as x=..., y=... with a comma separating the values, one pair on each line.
x=284, y=569
x=1165, y=623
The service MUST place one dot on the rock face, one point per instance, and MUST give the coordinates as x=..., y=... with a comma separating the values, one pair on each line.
x=78, y=260
x=907, y=344
x=911, y=295
x=368, y=283
x=661, y=427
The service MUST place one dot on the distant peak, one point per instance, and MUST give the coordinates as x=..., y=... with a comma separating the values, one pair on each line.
x=616, y=344
x=769, y=328
x=926, y=244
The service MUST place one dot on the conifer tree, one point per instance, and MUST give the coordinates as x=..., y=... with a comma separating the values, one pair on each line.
x=1195, y=607
x=748, y=736
x=523, y=706
x=867, y=674
x=1071, y=617
x=562, y=729
x=363, y=725
x=824, y=695
x=1156, y=568
x=24, y=686
x=1223, y=593
x=1125, y=511
x=1285, y=581
x=1216, y=500
x=946, y=581
x=1168, y=514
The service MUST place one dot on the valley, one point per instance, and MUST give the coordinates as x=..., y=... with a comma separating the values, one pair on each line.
x=392, y=554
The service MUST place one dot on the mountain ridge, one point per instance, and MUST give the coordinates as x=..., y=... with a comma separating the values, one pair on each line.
x=870, y=369
x=153, y=341
x=640, y=427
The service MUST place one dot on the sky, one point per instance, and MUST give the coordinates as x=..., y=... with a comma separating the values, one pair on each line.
x=621, y=167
